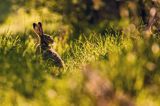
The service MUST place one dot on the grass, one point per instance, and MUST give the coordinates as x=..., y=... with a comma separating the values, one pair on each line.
x=126, y=59
x=130, y=63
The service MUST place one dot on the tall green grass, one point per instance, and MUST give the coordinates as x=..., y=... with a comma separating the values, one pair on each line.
x=131, y=64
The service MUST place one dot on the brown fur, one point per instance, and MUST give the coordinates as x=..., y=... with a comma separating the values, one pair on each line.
x=43, y=45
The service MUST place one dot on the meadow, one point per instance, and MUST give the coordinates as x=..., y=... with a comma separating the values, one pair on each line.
x=118, y=66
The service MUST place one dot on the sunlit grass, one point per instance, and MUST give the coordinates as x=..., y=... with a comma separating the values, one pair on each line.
x=123, y=58
x=21, y=21
x=27, y=79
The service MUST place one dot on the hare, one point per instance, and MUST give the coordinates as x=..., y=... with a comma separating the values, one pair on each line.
x=43, y=46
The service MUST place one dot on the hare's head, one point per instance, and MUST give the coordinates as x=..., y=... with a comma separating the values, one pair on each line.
x=39, y=31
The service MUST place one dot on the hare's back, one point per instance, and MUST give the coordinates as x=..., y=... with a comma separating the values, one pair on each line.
x=51, y=54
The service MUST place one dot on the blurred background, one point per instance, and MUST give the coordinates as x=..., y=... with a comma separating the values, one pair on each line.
x=75, y=16
x=110, y=48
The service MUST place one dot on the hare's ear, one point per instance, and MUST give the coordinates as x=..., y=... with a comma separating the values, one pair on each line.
x=40, y=27
x=36, y=29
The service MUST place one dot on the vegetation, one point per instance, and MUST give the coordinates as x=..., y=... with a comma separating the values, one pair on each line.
x=109, y=60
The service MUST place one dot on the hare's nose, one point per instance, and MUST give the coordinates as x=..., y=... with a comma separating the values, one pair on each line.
x=53, y=44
